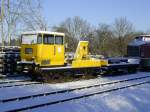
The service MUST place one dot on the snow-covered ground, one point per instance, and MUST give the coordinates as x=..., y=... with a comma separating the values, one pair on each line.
x=14, y=79
x=134, y=99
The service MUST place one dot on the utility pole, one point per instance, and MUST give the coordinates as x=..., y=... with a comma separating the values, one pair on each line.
x=2, y=17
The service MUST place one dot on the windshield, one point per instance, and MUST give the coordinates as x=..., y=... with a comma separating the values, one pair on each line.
x=29, y=39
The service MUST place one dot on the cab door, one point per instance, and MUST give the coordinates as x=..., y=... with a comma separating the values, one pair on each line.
x=47, y=54
x=59, y=50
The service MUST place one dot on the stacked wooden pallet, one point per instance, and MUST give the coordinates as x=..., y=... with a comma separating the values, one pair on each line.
x=8, y=60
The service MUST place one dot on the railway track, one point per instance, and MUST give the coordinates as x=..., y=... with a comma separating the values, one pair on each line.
x=13, y=81
x=74, y=89
x=79, y=97
x=15, y=78
x=69, y=90
x=21, y=84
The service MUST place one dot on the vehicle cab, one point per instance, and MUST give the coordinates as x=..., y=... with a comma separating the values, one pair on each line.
x=43, y=48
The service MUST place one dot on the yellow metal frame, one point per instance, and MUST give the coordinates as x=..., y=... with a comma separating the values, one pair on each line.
x=82, y=59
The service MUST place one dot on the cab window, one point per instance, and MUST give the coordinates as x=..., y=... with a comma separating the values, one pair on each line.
x=39, y=39
x=48, y=39
x=29, y=39
x=59, y=40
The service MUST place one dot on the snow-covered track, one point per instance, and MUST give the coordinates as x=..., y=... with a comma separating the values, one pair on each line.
x=141, y=82
x=21, y=84
x=13, y=81
x=15, y=76
x=69, y=90
x=78, y=97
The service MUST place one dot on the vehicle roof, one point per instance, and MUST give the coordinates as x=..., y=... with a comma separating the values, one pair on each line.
x=138, y=43
x=42, y=32
x=143, y=36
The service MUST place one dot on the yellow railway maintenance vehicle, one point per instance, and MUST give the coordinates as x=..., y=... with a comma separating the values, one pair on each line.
x=43, y=54
x=44, y=51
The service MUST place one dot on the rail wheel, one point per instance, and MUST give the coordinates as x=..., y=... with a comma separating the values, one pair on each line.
x=20, y=69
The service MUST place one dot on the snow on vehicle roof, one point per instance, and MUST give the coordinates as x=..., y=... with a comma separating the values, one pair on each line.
x=44, y=32
x=140, y=40
x=145, y=35
x=138, y=43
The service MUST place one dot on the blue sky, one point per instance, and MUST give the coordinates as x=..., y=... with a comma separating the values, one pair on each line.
x=99, y=11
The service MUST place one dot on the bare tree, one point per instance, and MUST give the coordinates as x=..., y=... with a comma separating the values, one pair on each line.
x=12, y=16
x=122, y=29
x=104, y=35
x=77, y=27
x=72, y=42
x=33, y=18
x=20, y=15
x=74, y=28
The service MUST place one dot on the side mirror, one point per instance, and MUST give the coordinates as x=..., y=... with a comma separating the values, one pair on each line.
x=66, y=45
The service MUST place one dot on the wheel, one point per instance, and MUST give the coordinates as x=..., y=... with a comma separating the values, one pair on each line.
x=20, y=69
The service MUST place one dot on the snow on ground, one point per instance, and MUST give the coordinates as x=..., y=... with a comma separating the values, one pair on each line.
x=15, y=79
x=135, y=99
x=56, y=97
x=40, y=88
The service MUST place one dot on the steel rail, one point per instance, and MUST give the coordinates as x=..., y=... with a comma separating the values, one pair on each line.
x=69, y=90
x=78, y=97
x=5, y=82
x=23, y=84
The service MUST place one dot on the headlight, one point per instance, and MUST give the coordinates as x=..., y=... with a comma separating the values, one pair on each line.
x=28, y=50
